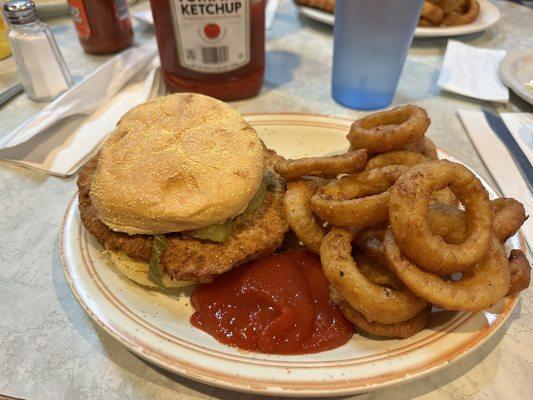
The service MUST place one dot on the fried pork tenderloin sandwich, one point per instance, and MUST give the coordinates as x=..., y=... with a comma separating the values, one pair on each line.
x=183, y=190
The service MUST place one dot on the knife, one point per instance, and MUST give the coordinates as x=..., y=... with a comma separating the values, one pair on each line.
x=500, y=129
x=10, y=92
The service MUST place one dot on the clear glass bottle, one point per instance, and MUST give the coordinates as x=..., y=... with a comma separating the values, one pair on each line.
x=41, y=67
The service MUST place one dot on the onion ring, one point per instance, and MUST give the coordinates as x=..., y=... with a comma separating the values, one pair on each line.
x=299, y=214
x=480, y=287
x=410, y=158
x=389, y=130
x=468, y=13
x=432, y=13
x=510, y=215
x=448, y=5
x=402, y=329
x=424, y=146
x=520, y=272
x=450, y=223
x=445, y=196
x=376, y=303
x=409, y=208
x=375, y=272
x=424, y=22
x=379, y=275
x=400, y=157
x=357, y=200
x=349, y=162
x=370, y=241
x=444, y=220
x=430, y=150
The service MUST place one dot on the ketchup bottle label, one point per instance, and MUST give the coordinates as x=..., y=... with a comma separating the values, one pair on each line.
x=212, y=36
x=77, y=10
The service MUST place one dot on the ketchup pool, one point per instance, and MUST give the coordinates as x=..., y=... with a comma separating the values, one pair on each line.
x=277, y=305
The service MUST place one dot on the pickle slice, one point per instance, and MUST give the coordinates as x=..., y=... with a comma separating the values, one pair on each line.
x=220, y=233
x=216, y=233
x=155, y=268
x=258, y=198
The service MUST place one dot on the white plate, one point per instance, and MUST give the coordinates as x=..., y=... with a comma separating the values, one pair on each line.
x=155, y=325
x=488, y=16
x=516, y=69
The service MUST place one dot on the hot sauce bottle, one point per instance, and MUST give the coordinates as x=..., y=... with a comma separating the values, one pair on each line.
x=214, y=47
x=104, y=26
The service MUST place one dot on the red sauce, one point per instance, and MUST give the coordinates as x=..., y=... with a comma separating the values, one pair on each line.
x=277, y=305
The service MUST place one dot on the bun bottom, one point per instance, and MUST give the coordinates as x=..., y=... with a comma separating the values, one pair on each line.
x=137, y=271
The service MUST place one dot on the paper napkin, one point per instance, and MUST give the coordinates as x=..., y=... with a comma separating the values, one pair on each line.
x=473, y=72
x=62, y=136
x=499, y=161
x=521, y=127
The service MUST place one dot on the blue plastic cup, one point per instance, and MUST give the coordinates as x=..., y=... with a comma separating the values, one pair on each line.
x=372, y=38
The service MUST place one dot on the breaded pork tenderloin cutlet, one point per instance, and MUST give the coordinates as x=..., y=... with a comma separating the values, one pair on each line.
x=254, y=236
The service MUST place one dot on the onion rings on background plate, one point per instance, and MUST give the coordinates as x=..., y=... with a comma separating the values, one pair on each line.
x=432, y=13
x=465, y=15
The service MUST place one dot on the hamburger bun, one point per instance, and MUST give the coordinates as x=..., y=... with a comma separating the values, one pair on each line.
x=137, y=270
x=176, y=163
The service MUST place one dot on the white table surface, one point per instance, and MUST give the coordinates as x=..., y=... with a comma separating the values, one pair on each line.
x=50, y=349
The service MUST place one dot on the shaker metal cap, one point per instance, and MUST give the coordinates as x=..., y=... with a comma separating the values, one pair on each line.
x=20, y=12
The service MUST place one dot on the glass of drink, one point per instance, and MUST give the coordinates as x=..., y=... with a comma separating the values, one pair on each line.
x=372, y=38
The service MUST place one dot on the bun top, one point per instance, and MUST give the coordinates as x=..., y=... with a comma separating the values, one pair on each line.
x=176, y=163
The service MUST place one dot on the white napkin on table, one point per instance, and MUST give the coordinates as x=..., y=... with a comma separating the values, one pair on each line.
x=498, y=160
x=473, y=72
x=521, y=127
x=61, y=138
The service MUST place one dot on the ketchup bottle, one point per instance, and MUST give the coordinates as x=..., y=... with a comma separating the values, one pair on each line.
x=104, y=26
x=214, y=47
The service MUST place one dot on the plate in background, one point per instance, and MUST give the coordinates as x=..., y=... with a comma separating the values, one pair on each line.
x=489, y=14
x=516, y=72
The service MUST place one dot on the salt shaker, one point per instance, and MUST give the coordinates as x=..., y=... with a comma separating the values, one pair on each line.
x=42, y=69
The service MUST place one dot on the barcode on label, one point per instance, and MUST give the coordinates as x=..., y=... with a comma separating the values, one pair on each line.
x=215, y=55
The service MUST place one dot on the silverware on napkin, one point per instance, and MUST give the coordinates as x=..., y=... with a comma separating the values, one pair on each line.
x=10, y=92
x=498, y=126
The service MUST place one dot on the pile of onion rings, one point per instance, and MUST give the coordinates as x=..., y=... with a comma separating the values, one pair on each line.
x=399, y=231
x=448, y=12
